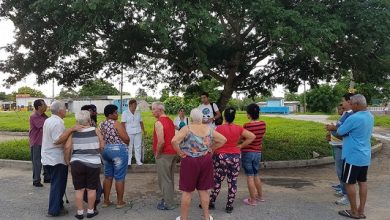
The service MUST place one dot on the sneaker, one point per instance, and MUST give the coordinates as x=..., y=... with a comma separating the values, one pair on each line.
x=140, y=164
x=79, y=216
x=229, y=209
x=343, y=201
x=38, y=184
x=91, y=215
x=211, y=206
x=336, y=187
x=339, y=193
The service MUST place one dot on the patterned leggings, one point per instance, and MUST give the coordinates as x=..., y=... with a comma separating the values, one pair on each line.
x=225, y=165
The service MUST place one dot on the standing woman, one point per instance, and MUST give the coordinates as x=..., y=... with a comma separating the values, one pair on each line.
x=82, y=153
x=181, y=120
x=251, y=155
x=115, y=155
x=226, y=159
x=194, y=144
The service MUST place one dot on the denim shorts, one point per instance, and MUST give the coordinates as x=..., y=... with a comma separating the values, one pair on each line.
x=115, y=158
x=251, y=162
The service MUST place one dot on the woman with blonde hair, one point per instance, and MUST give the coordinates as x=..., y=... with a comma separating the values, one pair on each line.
x=194, y=144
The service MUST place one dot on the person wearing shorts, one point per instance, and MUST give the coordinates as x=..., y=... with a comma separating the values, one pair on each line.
x=251, y=155
x=226, y=160
x=356, y=153
x=194, y=144
x=82, y=153
x=115, y=156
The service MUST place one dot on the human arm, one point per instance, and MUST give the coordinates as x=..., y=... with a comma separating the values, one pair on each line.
x=248, y=138
x=219, y=140
x=346, y=127
x=60, y=137
x=122, y=132
x=68, y=150
x=177, y=139
x=101, y=139
x=160, y=138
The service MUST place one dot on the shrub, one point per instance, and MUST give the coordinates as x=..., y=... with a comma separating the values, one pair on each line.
x=322, y=99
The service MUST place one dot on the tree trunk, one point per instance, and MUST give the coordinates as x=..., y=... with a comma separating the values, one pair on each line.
x=226, y=93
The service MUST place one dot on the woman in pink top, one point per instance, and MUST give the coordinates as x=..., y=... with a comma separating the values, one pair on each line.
x=226, y=160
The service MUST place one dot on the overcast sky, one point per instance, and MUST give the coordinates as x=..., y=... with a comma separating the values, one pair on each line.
x=7, y=36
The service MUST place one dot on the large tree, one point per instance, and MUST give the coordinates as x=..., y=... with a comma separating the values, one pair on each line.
x=97, y=88
x=247, y=45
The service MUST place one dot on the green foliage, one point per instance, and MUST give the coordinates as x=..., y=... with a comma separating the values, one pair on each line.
x=141, y=93
x=183, y=42
x=323, y=99
x=379, y=120
x=27, y=90
x=164, y=94
x=15, y=150
x=194, y=91
x=98, y=87
x=5, y=97
x=67, y=93
x=174, y=103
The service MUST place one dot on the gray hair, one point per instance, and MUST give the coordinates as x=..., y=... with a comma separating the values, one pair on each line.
x=158, y=105
x=359, y=100
x=56, y=106
x=196, y=115
x=83, y=117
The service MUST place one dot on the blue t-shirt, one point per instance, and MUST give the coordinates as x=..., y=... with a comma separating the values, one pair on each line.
x=356, y=131
x=344, y=117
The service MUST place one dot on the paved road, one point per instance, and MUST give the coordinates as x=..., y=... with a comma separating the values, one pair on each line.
x=291, y=194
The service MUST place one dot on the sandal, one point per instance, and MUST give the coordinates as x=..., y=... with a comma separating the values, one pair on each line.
x=106, y=204
x=247, y=202
x=362, y=216
x=348, y=213
x=260, y=199
x=121, y=205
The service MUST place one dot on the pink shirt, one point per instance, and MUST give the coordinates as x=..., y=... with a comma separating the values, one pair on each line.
x=232, y=133
x=36, y=128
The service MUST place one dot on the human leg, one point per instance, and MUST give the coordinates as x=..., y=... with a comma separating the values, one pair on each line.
x=219, y=164
x=185, y=205
x=137, y=148
x=35, y=153
x=165, y=168
x=233, y=170
x=130, y=147
x=204, y=201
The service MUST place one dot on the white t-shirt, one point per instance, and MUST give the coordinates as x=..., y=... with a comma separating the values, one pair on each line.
x=207, y=112
x=177, y=121
x=132, y=121
x=52, y=154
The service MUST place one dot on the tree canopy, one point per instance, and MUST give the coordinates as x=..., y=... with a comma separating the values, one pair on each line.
x=98, y=87
x=248, y=46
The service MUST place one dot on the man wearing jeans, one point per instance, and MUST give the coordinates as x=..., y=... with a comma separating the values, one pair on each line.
x=53, y=140
x=37, y=119
x=337, y=142
x=356, y=153
x=165, y=155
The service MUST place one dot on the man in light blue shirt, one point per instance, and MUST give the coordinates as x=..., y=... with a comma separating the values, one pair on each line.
x=356, y=153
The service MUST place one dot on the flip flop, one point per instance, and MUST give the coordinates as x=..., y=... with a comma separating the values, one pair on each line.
x=105, y=205
x=347, y=213
x=260, y=199
x=247, y=202
x=362, y=216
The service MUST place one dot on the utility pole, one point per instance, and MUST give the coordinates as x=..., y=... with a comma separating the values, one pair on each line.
x=121, y=93
x=304, y=95
x=52, y=99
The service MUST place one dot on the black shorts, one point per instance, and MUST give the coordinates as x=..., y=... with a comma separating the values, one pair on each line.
x=352, y=173
x=84, y=176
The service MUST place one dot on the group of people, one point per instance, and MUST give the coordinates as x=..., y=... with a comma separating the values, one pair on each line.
x=350, y=138
x=210, y=152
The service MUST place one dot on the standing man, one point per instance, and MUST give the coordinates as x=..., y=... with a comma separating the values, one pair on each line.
x=356, y=153
x=37, y=119
x=337, y=142
x=208, y=110
x=165, y=155
x=53, y=140
x=132, y=121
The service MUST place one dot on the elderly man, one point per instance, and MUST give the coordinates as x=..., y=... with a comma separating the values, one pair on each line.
x=165, y=155
x=37, y=119
x=53, y=140
x=356, y=153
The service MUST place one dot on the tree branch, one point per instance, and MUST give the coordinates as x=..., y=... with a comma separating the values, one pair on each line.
x=248, y=30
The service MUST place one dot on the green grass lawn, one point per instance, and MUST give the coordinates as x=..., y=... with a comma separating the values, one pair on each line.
x=379, y=120
x=286, y=139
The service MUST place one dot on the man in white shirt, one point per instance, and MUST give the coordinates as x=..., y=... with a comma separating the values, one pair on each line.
x=207, y=110
x=134, y=125
x=52, y=154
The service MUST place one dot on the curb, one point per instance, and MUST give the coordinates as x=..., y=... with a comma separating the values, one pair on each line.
x=151, y=168
x=12, y=133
